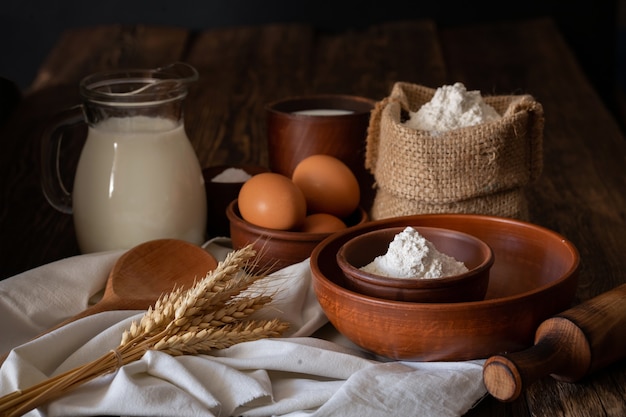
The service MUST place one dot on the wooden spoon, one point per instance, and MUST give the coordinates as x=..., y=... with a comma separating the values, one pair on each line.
x=142, y=274
x=147, y=271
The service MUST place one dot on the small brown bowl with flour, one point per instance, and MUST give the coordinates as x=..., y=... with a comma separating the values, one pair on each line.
x=417, y=264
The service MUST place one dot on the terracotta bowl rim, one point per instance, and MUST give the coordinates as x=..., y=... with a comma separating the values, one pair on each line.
x=271, y=106
x=320, y=279
x=290, y=235
x=409, y=283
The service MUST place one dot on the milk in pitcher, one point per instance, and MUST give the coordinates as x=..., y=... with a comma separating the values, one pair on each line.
x=138, y=179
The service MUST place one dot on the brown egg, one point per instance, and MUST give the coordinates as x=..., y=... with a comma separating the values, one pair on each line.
x=329, y=186
x=272, y=200
x=322, y=223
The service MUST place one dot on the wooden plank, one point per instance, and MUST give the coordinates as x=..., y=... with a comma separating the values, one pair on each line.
x=83, y=51
x=241, y=70
x=368, y=62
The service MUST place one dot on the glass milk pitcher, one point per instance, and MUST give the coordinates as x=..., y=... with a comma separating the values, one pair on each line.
x=138, y=177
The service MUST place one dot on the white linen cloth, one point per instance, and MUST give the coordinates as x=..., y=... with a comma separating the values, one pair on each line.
x=312, y=371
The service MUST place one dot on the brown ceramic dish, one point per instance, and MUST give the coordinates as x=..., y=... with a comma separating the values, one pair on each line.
x=469, y=286
x=534, y=276
x=292, y=136
x=278, y=248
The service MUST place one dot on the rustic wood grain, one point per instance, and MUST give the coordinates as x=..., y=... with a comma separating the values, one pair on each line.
x=368, y=62
x=580, y=194
x=83, y=51
x=241, y=70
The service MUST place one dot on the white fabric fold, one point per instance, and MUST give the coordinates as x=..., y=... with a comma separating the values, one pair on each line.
x=311, y=371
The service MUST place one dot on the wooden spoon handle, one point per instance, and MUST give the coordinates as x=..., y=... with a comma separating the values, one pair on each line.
x=568, y=347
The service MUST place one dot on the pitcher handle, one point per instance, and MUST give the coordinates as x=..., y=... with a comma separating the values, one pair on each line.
x=52, y=184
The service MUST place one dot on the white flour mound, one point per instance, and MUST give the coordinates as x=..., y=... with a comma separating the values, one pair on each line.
x=410, y=255
x=232, y=175
x=452, y=107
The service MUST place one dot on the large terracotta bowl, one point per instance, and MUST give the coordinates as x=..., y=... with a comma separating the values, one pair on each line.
x=277, y=249
x=534, y=276
x=471, y=285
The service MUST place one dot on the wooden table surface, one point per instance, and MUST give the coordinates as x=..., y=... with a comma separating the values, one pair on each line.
x=581, y=193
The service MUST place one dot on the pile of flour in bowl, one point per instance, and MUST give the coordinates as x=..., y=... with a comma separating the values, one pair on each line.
x=411, y=255
x=452, y=107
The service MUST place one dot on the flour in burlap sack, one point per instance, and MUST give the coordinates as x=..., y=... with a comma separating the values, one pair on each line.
x=452, y=107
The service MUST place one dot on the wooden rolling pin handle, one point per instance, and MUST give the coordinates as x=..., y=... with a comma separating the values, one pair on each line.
x=554, y=353
x=568, y=346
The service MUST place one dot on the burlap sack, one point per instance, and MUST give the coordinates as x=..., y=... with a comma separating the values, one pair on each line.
x=479, y=169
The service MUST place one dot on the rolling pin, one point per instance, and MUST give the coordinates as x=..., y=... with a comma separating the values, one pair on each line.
x=567, y=347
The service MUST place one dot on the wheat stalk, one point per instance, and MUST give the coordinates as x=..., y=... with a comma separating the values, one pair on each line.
x=213, y=314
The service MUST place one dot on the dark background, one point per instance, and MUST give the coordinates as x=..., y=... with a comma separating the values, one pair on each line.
x=29, y=28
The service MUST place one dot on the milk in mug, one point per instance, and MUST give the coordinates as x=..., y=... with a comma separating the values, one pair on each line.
x=138, y=179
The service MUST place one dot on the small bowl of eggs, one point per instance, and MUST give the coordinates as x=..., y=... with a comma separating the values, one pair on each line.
x=284, y=218
x=417, y=264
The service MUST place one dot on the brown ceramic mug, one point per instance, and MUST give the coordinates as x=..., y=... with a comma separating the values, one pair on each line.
x=330, y=124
